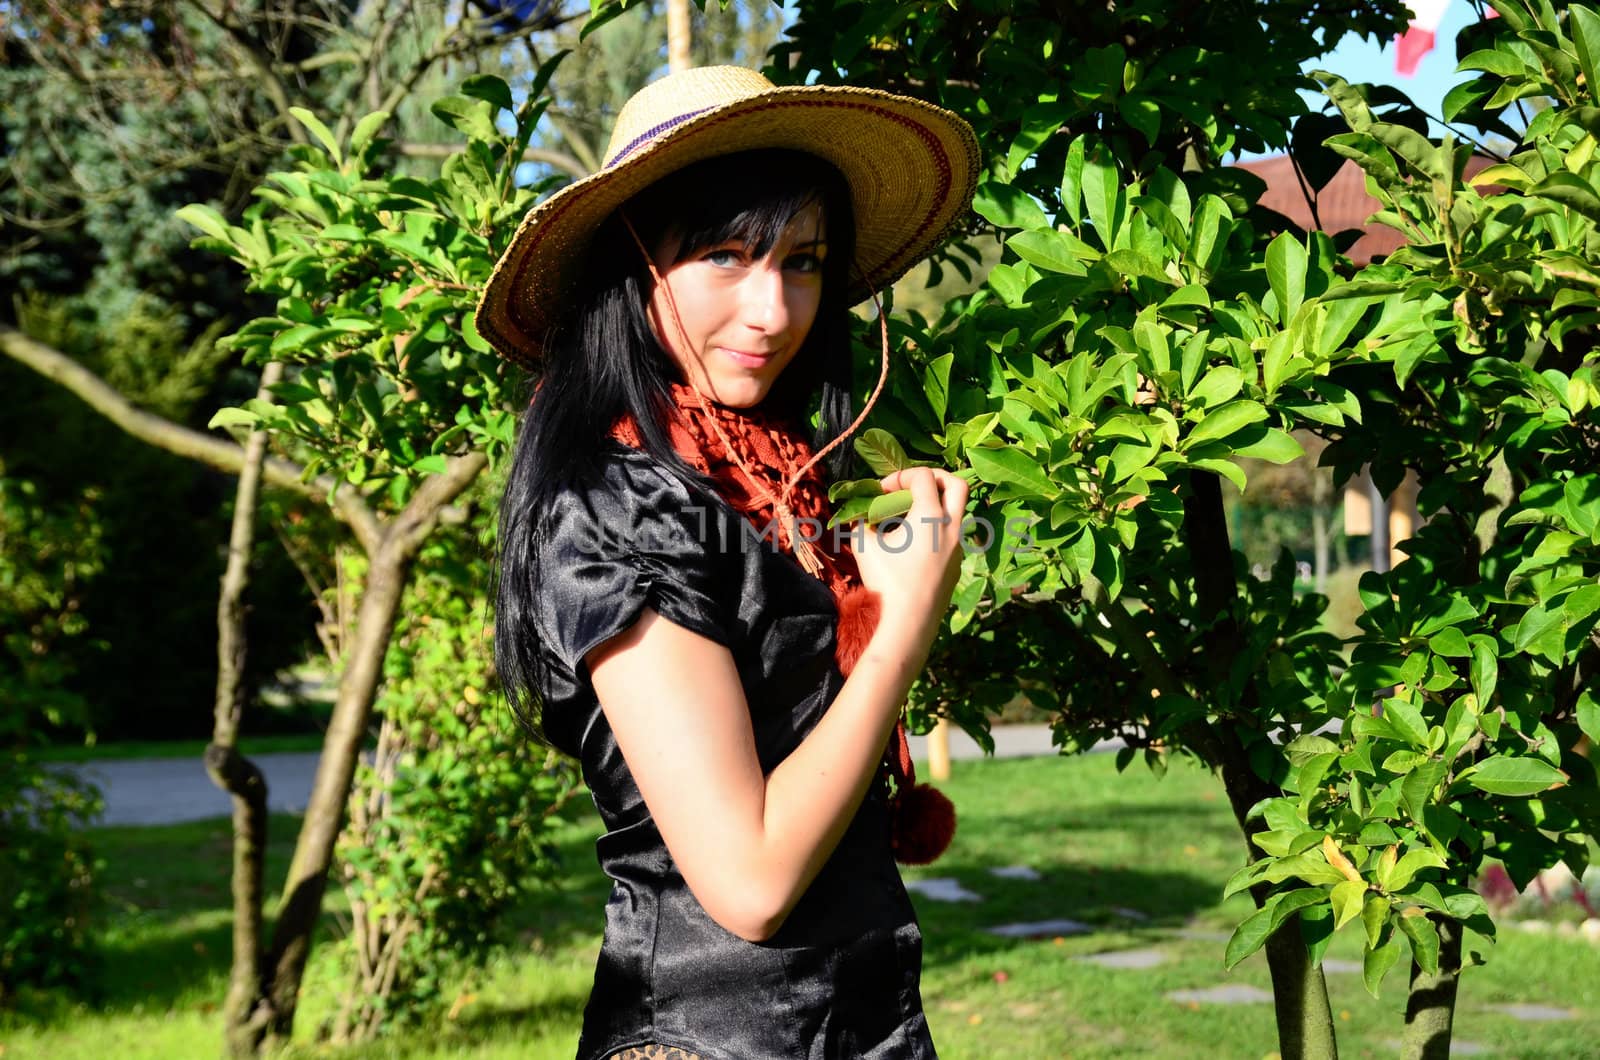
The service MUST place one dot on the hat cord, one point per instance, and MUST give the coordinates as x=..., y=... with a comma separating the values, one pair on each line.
x=804, y=549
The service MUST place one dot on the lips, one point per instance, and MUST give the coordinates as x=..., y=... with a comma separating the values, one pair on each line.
x=747, y=360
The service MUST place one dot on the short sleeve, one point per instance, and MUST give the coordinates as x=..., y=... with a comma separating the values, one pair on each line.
x=637, y=539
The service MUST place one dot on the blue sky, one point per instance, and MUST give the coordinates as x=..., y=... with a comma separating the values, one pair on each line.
x=1372, y=61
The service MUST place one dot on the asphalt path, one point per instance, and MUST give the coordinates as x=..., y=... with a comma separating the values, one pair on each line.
x=172, y=790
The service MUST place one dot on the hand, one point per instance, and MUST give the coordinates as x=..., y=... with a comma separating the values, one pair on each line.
x=913, y=562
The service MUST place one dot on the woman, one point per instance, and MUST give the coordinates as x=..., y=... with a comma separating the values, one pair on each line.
x=729, y=676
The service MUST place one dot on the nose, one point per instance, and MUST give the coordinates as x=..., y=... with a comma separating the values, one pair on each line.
x=764, y=298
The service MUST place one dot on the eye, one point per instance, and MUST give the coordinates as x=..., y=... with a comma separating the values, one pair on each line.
x=803, y=262
x=723, y=257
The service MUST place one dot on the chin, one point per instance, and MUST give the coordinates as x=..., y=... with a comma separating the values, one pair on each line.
x=740, y=393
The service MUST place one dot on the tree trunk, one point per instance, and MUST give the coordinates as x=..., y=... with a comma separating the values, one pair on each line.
x=1431, y=1006
x=678, y=36
x=1300, y=998
x=1299, y=991
x=231, y=771
x=301, y=905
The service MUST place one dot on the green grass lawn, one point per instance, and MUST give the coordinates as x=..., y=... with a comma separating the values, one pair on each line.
x=1139, y=860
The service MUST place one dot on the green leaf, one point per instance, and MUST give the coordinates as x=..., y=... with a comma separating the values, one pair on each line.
x=1275, y=447
x=1072, y=182
x=1407, y=721
x=1416, y=790
x=1377, y=962
x=1218, y=385
x=1571, y=191
x=471, y=117
x=1051, y=250
x=1286, y=272
x=1409, y=865
x=1450, y=642
x=1424, y=942
x=233, y=417
x=367, y=128
x=1143, y=114
x=1373, y=916
x=1518, y=775
x=936, y=384
x=1489, y=60
x=1347, y=900
x=1412, y=147
x=1224, y=421
x=1102, y=195
x=1226, y=468
x=1008, y=466
x=314, y=126
x=882, y=452
x=207, y=220
x=1308, y=745
x=888, y=506
x=1542, y=630
x=1259, y=926
x=1584, y=26
x=1589, y=716
x=1485, y=669
x=491, y=89
x=1007, y=206
x=1404, y=761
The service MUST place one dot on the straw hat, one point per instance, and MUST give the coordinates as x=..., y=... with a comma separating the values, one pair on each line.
x=911, y=168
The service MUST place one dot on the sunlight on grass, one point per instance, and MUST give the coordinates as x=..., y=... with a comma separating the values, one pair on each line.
x=1137, y=860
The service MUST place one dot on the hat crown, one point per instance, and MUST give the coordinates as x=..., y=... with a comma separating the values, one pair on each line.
x=662, y=105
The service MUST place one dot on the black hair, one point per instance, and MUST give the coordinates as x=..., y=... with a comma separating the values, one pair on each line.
x=601, y=360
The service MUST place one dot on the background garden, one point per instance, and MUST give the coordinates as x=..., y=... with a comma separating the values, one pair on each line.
x=242, y=242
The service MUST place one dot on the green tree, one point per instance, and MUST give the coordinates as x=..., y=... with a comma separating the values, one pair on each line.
x=1146, y=334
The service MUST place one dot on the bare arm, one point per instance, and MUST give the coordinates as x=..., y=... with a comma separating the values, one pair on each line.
x=749, y=845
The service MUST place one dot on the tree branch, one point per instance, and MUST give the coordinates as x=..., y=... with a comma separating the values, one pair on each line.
x=180, y=440
x=558, y=159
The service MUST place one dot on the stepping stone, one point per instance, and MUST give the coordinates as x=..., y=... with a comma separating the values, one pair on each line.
x=1334, y=966
x=1202, y=935
x=1128, y=914
x=1230, y=994
x=943, y=889
x=1040, y=929
x=1016, y=872
x=1457, y=1047
x=1533, y=1013
x=1126, y=958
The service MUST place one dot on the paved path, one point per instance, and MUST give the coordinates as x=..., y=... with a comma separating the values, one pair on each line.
x=171, y=790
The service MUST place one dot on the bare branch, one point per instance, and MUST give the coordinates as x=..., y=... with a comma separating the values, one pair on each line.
x=180, y=440
x=564, y=162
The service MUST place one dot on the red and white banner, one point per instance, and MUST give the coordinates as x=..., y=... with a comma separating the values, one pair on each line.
x=1417, y=41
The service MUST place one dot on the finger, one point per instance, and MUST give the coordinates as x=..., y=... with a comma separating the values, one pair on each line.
x=954, y=495
x=924, y=490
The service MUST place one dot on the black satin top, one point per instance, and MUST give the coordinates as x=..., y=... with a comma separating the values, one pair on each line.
x=839, y=980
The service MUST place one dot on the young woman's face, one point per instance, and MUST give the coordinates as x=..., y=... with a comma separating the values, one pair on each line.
x=743, y=318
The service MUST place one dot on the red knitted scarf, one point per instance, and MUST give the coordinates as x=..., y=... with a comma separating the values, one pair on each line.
x=773, y=450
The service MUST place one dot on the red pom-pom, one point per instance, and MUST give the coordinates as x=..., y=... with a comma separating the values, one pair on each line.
x=923, y=822
x=858, y=617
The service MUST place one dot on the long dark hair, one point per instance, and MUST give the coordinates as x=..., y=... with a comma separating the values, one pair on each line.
x=602, y=359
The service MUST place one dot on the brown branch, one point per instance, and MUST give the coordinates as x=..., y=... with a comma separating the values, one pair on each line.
x=182, y=441
x=263, y=63
x=560, y=160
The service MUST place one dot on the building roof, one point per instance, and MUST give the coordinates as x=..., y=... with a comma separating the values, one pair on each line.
x=1343, y=204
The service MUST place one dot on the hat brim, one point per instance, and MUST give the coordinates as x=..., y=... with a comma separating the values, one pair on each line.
x=911, y=168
